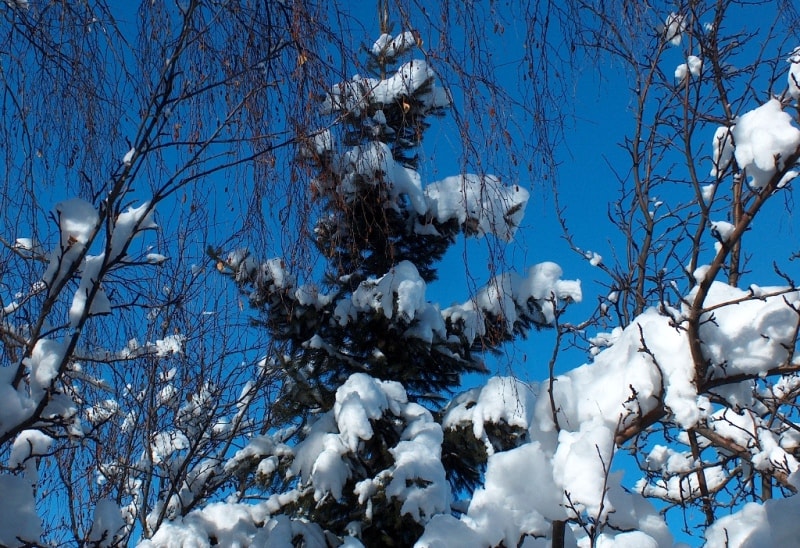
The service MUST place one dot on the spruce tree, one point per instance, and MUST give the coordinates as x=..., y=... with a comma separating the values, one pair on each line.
x=369, y=362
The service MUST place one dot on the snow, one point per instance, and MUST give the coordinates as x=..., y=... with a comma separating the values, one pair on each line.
x=581, y=464
x=401, y=292
x=638, y=366
x=126, y=225
x=751, y=336
x=309, y=295
x=156, y=258
x=90, y=274
x=765, y=138
x=28, y=445
x=230, y=525
x=102, y=411
x=788, y=177
x=444, y=531
x=597, y=399
x=29, y=244
x=108, y=522
x=482, y=203
x=373, y=164
x=323, y=142
x=128, y=158
x=399, y=295
x=358, y=401
x=793, y=77
x=392, y=47
x=674, y=27
x=501, y=399
x=14, y=404
x=171, y=344
x=44, y=363
x=514, y=298
x=560, y=467
x=78, y=222
x=700, y=272
x=358, y=94
x=165, y=444
x=505, y=506
x=757, y=525
x=18, y=518
x=722, y=230
x=723, y=151
x=695, y=65
x=272, y=273
x=416, y=478
x=409, y=78
x=595, y=259
x=21, y=4
x=380, y=44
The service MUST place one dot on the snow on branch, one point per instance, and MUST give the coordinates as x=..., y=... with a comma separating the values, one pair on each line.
x=416, y=478
x=514, y=302
x=764, y=139
x=374, y=164
x=480, y=204
x=643, y=368
x=362, y=94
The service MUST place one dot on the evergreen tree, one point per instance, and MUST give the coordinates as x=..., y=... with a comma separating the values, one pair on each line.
x=369, y=361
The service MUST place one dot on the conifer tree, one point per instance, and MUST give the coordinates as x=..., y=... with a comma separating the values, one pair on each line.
x=369, y=361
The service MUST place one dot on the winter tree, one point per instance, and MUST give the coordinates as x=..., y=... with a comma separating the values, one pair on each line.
x=369, y=359
x=315, y=393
